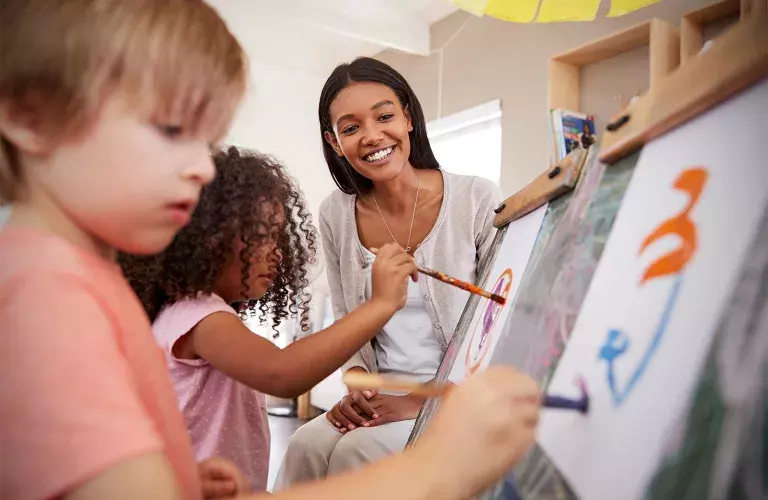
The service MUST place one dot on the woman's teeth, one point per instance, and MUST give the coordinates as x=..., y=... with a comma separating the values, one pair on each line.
x=378, y=155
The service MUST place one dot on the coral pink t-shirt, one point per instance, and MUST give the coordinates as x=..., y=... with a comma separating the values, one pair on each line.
x=224, y=417
x=83, y=385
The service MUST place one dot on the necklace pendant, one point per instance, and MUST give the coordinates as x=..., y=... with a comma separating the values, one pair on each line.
x=408, y=249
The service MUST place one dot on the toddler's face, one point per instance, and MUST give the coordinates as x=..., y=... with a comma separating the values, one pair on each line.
x=130, y=184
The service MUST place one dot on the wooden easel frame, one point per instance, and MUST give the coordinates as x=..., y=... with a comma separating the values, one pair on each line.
x=662, y=38
x=555, y=181
x=738, y=60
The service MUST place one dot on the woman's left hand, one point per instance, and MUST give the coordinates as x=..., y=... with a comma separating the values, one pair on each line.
x=395, y=408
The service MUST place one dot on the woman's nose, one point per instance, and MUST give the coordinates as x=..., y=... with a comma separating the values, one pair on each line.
x=372, y=136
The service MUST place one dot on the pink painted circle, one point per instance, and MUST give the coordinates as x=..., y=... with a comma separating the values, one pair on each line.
x=482, y=335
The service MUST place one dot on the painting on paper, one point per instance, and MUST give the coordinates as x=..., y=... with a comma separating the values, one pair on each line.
x=652, y=309
x=504, y=279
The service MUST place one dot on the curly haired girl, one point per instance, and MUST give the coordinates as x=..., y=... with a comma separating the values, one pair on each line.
x=249, y=242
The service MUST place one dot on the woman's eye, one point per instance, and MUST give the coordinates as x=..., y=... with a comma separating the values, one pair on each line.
x=169, y=131
x=349, y=130
x=386, y=116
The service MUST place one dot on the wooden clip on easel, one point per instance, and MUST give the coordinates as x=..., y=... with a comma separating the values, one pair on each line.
x=556, y=181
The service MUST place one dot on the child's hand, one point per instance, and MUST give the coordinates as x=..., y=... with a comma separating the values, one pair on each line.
x=221, y=478
x=390, y=275
x=484, y=426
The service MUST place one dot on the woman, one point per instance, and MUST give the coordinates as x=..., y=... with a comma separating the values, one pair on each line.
x=391, y=188
x=587, y=139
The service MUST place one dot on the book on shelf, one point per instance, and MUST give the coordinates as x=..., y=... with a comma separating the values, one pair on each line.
x=569, y=130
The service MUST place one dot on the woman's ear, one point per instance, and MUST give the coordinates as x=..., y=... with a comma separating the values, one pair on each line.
x=408, y=120
x=331, y=139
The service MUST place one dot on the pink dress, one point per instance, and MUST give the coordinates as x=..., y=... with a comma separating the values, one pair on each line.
x=224, y=417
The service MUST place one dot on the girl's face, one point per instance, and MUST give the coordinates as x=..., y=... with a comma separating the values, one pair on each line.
x=371, y=130
x=263, y=262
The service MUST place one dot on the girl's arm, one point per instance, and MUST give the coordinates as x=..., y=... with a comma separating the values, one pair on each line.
x=225, y=342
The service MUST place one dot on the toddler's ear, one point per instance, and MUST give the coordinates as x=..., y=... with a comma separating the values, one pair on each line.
x=21, y=123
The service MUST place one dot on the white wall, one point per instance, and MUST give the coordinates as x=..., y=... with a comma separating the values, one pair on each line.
x=279, y=117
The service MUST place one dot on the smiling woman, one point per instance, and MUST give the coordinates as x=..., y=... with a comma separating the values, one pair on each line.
x=391, y=189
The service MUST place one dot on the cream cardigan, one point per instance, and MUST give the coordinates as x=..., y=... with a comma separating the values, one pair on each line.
x=458, y=241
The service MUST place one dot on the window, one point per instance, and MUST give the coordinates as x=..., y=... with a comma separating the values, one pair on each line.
x=5, y=213
x=469, y=142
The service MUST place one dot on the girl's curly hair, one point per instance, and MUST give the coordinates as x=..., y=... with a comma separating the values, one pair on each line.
x=228, y=210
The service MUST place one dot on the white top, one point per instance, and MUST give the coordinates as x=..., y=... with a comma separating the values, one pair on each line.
x=408, y=345
x=457, y=243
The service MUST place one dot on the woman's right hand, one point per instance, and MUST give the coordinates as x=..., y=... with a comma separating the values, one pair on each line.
x=484, y=426
x=353, y=410
x=390, y=274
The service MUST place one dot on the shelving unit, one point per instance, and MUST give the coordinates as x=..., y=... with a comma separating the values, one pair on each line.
x=662, y=38
x=692, y=25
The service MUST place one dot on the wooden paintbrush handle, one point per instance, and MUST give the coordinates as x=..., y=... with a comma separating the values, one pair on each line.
x=357, y=380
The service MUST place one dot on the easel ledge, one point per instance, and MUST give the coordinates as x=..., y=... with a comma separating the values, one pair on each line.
x=557, y=180
x=737, y=59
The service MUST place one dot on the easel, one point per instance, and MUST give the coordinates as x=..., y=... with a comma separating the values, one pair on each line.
x=553, y=186
x=737, y=60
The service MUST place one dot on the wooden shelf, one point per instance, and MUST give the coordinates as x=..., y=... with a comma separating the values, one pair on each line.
x=738, y=60
x=693, y=22
x=662, y=38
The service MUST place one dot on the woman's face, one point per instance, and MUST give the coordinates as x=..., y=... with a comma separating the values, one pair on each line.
x=371, y=130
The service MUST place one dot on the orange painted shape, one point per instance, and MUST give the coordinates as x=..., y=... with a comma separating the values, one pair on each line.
x=470, y=364
x=691, y=182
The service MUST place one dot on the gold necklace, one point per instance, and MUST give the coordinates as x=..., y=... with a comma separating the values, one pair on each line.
x=413, y=216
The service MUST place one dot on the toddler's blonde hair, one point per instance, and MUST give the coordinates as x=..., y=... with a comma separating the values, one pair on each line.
x=175, y=60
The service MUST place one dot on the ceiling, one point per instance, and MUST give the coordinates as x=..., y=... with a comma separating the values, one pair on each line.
x=316, y=35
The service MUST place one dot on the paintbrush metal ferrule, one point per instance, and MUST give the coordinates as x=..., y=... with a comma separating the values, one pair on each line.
x=558, y=402
x=581, y=404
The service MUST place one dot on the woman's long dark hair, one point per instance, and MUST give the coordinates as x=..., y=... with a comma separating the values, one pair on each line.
x=365, y=69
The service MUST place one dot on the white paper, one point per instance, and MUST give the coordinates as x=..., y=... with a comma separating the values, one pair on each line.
x=611, y=452
x=504, y=279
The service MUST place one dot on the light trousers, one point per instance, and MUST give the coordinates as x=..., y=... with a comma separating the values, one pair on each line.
x=317, y=449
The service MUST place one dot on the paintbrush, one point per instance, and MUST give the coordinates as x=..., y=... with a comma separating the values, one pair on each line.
x=358, y=380
x=469, y=287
